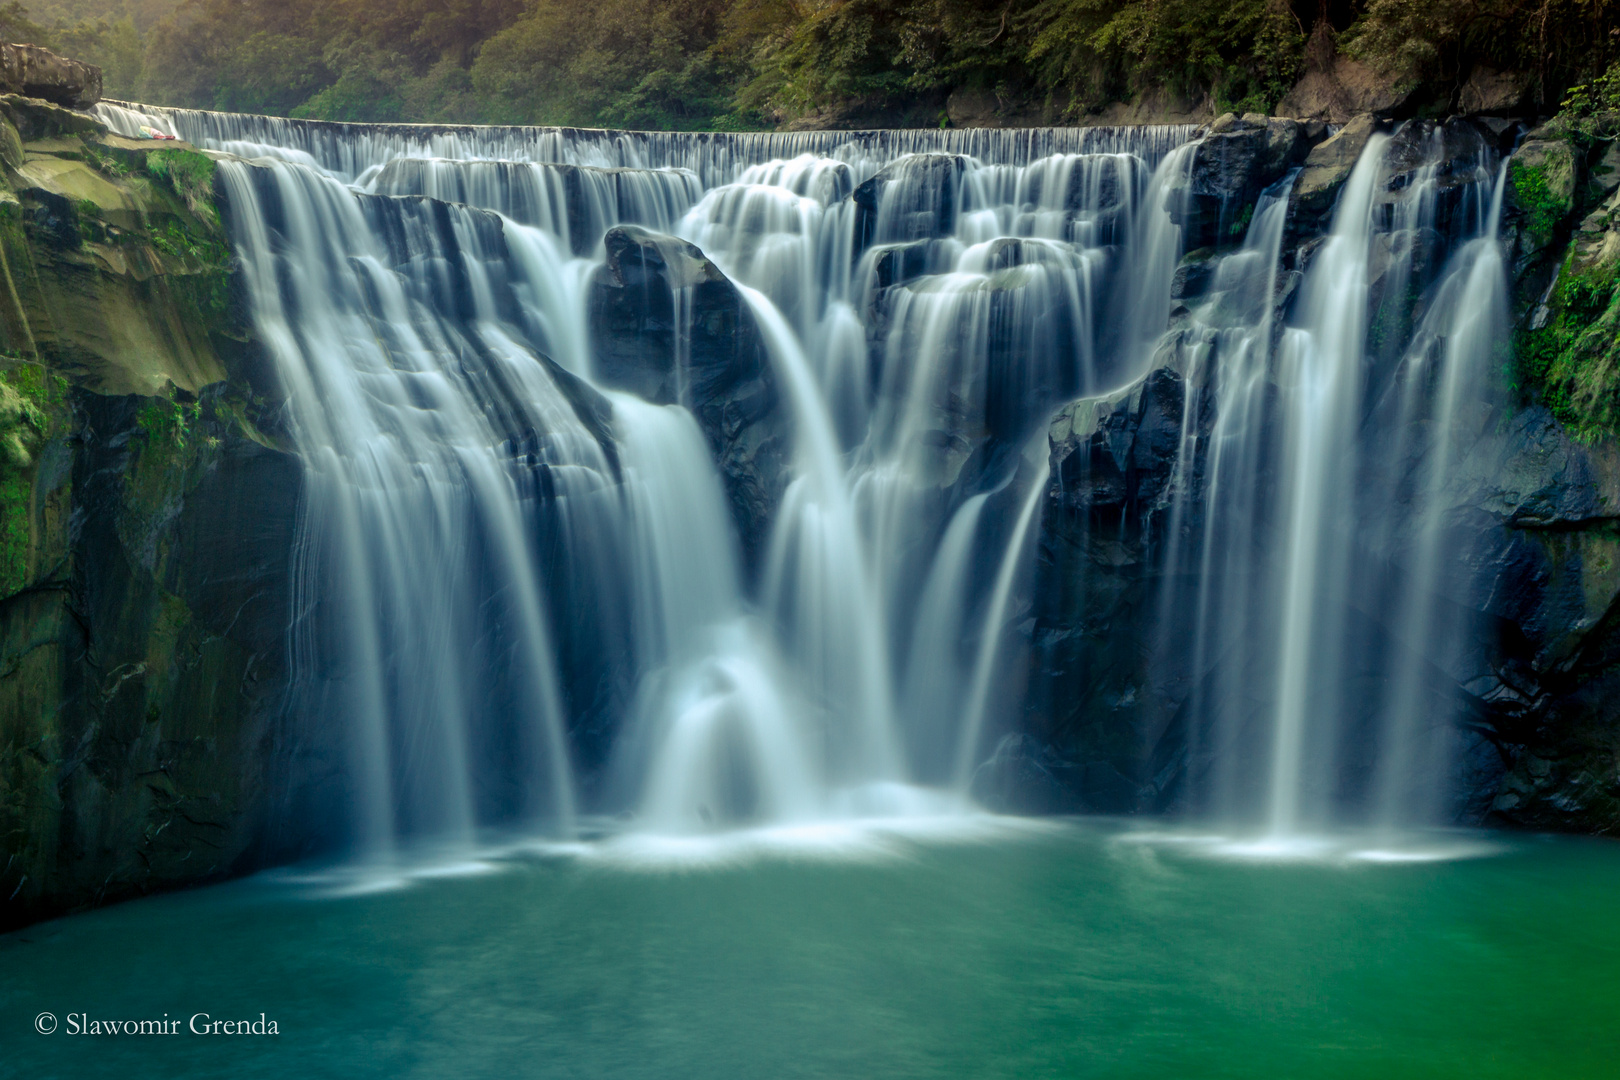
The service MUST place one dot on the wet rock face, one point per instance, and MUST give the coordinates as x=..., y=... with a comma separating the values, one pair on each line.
x=147, y=521
x=1532, y=696
x=1543, y=178
x=1326, y=168
x=914, y=198
x=1238, y=159
x=39, y=73
x=1543, y=512
x=668, y=326
x=1097, y=699
x=146, y=658
x=1530, y=699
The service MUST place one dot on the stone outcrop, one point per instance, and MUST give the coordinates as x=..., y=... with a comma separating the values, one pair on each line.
x=1337, y=89
x=1099, y=704
x=1492, y=92
x=914, y=198
x=1238, y=158
x=39, y=73
x=668, y=326
x=1529, y=516
x=147, y=516
x=1542, y=181
x=1325, y=170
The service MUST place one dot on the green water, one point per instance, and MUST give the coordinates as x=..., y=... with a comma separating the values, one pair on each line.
x=1077, y=951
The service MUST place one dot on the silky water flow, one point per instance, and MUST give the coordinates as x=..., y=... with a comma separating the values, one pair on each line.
x=524, y=600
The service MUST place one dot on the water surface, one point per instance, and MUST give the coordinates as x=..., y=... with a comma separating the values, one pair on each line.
x=1079, y=949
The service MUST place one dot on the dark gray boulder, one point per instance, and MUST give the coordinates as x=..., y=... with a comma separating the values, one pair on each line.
x=913, y=198
x=669, y=327
x=1237, y=159
x=1324, y=172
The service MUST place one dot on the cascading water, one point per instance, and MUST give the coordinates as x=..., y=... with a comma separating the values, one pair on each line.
x=1308, y=715
x=526, y=590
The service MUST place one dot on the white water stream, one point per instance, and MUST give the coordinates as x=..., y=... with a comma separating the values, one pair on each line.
x=513, y=612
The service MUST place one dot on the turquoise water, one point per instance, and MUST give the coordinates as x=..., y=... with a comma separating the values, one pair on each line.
x=1068, y=950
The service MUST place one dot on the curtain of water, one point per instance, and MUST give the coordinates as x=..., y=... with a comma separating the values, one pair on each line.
x=1303, y=712
x=524, y=592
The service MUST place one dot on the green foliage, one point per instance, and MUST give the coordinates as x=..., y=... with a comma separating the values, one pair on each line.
x=618, y=63
x=115, y=46
x=1543, y=209
x=1247, y=53
x=1602, y=94
x=16, y=26
x=1591, y=110
x=29, y=399
x=189, y=175
x=826, y=55
x=1572, y=365
x=167, y=423
x=748, y=63
x=25, y=397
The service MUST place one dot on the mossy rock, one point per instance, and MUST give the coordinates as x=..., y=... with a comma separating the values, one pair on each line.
x=37, y=119
x=1542, y=181
x=77, y=183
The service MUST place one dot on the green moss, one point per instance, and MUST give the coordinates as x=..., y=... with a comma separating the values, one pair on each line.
x=163, y=421
x=91, y=229
x=30, y=412
x=109, y=164
x=189, y=174
x=1572, y=365
x=1543, y=209
x=1240, y=224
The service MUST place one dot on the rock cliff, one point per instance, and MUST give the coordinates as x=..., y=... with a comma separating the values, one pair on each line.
x=147, y=515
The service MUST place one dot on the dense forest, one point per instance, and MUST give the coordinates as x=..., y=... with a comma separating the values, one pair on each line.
x=743, y=64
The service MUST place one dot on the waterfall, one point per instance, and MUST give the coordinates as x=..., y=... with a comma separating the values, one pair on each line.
x=671, y=483
x=1319, y=452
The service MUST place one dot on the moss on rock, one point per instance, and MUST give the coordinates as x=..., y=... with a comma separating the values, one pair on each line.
x=146, y=524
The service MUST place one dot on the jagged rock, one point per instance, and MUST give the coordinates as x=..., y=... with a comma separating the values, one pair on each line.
x=1339, y=90
x=914, y=198
x=39, y=73
x=1604, y=175
x=145, y=576
x=35, y=119
x=722, y=372
x=1543, y=177
x=1491, y=91
x=144, y=660
x=1239, y=156
x=1236, y=160
x=1596, y=243
x=1326, y=168
x=1194, y=275
x=1097, y=699
x=897, y=264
